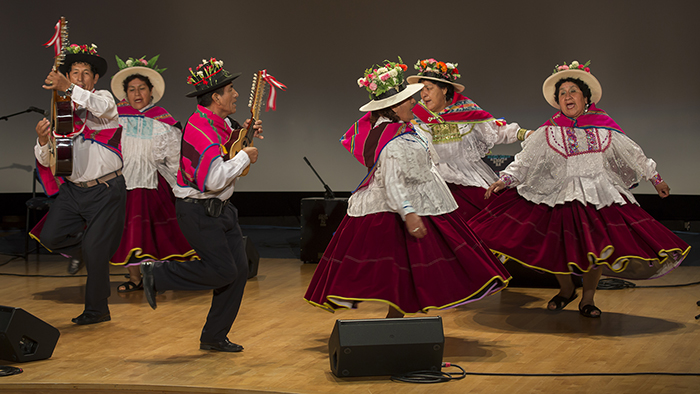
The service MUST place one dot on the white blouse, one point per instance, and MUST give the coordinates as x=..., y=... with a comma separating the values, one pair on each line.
x=594, y=166
x=405, y=181
x=462, y=146
x=148, y=147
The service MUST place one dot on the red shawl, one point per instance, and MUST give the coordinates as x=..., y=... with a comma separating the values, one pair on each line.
x=155, y=112
x=462, y=110
x=366, y=143
x=594, y=117
x=202, y=142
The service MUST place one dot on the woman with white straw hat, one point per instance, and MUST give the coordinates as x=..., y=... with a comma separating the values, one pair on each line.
x=569, y=209
x=401, y=242
x=151, y=148
x=461, y=131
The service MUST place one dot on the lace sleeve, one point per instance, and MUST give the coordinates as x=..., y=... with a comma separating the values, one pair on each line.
x=166, y=152
x=628, y=161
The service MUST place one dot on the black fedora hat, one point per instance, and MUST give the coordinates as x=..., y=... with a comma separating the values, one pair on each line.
x=83, y=54
x=209, y=76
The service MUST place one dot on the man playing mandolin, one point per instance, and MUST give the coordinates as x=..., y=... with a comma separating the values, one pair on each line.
x=205, y=183
x=87, y=219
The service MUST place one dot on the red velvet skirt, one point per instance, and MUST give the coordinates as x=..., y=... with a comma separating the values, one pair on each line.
x=151, y=229
x=470, y=199
x=374, y=258
x=574, y=238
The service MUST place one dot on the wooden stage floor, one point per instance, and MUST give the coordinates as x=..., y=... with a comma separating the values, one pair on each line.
x=285, y=339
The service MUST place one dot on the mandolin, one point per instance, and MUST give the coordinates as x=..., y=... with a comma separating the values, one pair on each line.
x=60, y=145
x=244, y=140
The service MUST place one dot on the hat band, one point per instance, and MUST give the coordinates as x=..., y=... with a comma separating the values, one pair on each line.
x=391, y=92
x=432, y=74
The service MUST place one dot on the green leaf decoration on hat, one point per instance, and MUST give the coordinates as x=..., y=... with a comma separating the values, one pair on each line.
x=140, y=62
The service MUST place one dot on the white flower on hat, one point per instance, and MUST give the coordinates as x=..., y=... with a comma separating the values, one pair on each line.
x=360, y=82
x=574, y=64
x=201, y=74
x=130, y=62
x=450, y=65
x=393, y=72
x=381, y=70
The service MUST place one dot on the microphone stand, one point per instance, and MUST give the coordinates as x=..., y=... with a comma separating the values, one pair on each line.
x=329, y=193
x=30, y=109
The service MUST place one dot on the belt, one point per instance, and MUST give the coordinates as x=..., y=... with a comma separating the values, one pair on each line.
x=102, y=179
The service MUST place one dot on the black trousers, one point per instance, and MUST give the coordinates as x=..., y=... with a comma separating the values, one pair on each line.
x=87, y=223
x=223, y=266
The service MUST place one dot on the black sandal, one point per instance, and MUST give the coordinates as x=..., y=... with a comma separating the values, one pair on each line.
x=129, y=287
x=587, y=310
x=561, y=302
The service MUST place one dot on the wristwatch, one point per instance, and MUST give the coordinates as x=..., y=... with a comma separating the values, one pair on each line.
x=69, y=91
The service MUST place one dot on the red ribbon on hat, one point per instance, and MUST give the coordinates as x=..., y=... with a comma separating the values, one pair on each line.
x=55, y=40
x=274, y=83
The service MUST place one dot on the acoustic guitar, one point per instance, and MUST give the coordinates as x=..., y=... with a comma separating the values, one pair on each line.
x=61, y=146
x=244, y=140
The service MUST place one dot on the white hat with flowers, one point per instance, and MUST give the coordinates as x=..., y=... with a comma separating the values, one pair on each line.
x=572, y=70
x=437, y=71
x=141, y=66
x=386, y=85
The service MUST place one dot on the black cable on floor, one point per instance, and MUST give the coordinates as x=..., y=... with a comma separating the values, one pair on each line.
x=618, y=284
x=50, y=276
x=7, y=371
x=440, y=376
x=431, y=376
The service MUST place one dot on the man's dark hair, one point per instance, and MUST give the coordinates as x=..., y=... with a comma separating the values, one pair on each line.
x=206, y=99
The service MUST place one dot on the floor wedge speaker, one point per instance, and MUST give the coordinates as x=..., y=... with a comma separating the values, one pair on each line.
x=378, y=347
x=24, y=337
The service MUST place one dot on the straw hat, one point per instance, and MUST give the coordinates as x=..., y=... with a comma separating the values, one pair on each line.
x=573, y=70
x=437, y=71
x=386, y=85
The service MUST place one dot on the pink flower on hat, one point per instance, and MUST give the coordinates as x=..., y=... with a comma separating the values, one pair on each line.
x=373, y=86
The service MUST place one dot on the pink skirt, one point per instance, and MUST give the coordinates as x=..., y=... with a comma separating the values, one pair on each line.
x=374, y=258
x=574, y=238
x=151, y=229
x=470, y=199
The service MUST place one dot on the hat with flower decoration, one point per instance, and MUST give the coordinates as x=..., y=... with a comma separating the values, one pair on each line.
x=437, y=71
x=573, y=70
x=209, y=76
x=386, y=85
x=141, y=66
x=83, y=54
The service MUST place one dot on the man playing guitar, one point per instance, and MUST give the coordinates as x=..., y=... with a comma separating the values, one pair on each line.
x=205, y=183
x=87, y=219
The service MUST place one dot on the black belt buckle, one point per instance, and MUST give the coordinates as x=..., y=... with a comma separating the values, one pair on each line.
x=213, y=207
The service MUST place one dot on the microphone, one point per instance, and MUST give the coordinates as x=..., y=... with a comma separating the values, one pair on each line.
x=38, y=110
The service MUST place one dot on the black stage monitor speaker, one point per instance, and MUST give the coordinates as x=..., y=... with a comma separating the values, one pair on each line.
x=379, y=347
x=24, y=337
x=320, y=217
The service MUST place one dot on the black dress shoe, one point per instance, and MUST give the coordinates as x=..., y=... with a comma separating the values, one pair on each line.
x=74, y=265
x=223, y=346
x=149, y=283
x=91, y=318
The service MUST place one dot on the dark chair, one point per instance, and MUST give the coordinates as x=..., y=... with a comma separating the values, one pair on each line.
x=34, y=204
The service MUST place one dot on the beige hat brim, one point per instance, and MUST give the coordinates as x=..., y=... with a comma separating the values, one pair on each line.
x=588, y=78
x=459, y=88
x=117, y=84
x=375, y=105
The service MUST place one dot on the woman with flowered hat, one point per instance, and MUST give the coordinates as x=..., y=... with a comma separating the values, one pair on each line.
x=461, y=131
x=151, y=149
x=569, y=209
x=401, y=243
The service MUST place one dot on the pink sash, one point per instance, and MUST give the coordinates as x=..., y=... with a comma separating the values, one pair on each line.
x=593, y=118
x=366, y=143
x=462, y=109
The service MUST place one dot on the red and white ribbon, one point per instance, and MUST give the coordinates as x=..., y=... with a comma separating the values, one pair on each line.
x=55, y=40
x=274, y=83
